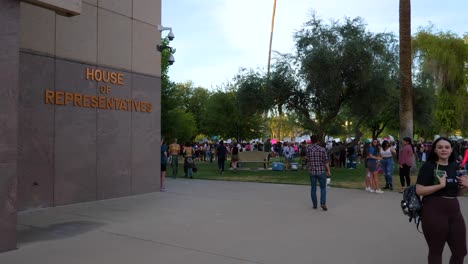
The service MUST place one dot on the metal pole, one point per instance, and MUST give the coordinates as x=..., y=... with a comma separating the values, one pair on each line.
x=271, y=38
x=269, y=61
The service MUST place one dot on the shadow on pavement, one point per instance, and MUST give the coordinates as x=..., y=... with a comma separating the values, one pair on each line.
x=31, y=234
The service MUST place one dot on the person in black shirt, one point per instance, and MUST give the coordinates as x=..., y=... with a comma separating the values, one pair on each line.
x=221, y=152
x=441, y=218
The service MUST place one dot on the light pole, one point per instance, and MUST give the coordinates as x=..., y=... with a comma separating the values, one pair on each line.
x=271, y=38
x=269, y=63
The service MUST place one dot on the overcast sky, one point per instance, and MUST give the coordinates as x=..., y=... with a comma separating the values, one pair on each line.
x=214, y=38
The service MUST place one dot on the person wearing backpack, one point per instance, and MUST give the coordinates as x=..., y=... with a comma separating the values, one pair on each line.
x=441, y=218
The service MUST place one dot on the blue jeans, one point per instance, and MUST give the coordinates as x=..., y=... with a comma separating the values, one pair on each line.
x=387, y=166
x=175, y=165
x=323, y=188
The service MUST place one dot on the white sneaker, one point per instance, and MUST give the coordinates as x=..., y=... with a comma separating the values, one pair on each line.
x=372, y=191
x=379, y=191
x=368, y=189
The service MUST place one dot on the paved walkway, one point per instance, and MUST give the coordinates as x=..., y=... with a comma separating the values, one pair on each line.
x=210, y=222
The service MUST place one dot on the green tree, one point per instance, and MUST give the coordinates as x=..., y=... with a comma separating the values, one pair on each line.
x=192, y=100
x=168, y=100
x=442, y=58
x=376, y=100
x=182, y=125
x=283, y=82
x=337, y=63
x=224, y=117
x=424, y=101
x=251, y=92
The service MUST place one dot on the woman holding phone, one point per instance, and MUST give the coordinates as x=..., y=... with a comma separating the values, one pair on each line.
x=441, y=218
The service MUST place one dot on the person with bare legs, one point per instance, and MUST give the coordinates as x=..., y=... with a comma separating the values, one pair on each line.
x=162, y=187
x=373, y=157
x=367, y=176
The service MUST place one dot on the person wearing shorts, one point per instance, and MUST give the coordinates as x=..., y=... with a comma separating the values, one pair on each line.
x=162, y=187
x=373, y=157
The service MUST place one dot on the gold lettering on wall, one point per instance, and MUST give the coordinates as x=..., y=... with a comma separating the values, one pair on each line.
x=102, y=101
x=93, y=101
x=104, y=76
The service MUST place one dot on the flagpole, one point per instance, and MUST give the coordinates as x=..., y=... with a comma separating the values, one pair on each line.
x=269, y=62
x=271, y=38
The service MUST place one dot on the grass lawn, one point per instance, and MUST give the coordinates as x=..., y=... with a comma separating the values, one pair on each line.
x=252, y=172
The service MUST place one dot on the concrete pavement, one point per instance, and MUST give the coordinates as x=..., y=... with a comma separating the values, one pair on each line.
x=212, y=222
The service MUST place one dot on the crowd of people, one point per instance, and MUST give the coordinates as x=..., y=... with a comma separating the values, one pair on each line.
x=190, y=153
x=441, y=178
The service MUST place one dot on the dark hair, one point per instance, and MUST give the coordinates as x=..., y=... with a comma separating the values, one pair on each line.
x=408, y=139
x=187, y=144
x=432, y=156
x=314, y=139
x=376, y=148
x=365, y=149
x=385, y=144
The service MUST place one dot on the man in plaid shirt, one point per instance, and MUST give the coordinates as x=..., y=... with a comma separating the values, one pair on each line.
x=319, y=170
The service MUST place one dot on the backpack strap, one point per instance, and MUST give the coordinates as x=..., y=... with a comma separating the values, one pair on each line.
x=417, y=224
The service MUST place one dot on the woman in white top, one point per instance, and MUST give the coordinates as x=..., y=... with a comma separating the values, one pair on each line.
x=387, y=152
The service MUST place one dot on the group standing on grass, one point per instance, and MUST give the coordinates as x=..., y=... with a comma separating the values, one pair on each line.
x=380, y=159
x=440, y=180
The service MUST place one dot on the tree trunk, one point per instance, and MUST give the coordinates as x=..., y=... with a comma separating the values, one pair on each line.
x=406, y=90
x=280, y=114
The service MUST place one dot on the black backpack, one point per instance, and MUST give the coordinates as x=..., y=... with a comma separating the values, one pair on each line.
x=412, y=205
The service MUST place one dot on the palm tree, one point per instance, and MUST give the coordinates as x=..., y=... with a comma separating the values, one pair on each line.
x=406, y=90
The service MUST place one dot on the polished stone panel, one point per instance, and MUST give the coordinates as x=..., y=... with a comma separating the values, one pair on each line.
x=148, y=11
x=76, y=37
x=114, y=40
x=75, y=138
x=36, y=133
x=123, y=7
x=9, y=78
x=113, y=144
x=91, y=2
x=62, y=7
x=37, y=29
x=146, y=132
x=145, y=58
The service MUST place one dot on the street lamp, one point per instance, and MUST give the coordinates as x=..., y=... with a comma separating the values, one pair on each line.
x=347, y=125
